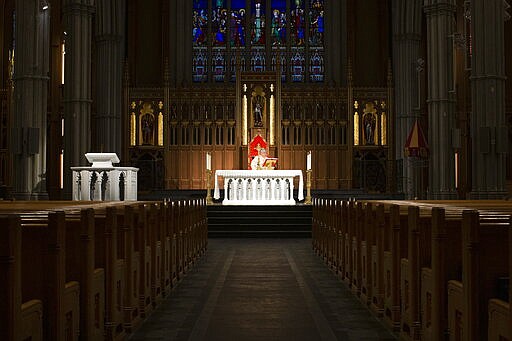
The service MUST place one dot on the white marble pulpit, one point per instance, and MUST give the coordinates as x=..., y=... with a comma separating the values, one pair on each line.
x=102, y=181
x=258, y=187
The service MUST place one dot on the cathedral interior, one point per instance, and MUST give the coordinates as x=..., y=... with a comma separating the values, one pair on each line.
x=398, y=111
x=163, y=83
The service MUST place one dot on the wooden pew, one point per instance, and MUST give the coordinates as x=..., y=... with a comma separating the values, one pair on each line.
x=43, y=279
x=107, y=257
x=157, y=246
x=395, y=250
x=10, y=285
x=367, y=248
x=145, y=306
x=485, y=246
x=377, y=261
x=80, y=267
x=129, y=251
x=99, y=267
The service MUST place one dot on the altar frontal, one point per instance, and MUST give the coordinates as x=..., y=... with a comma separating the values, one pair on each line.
x=258, y=187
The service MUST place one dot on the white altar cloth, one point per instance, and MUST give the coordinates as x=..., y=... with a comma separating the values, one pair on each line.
x=258, y=187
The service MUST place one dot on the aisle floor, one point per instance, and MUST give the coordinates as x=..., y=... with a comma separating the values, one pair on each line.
x=261, y=289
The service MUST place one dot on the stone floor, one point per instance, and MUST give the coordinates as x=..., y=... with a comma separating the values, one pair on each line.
x=261, y=289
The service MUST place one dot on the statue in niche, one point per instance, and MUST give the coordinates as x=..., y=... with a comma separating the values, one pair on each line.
x=173, y=112
x=147, y=129
x=258, y=111
x=369, y=128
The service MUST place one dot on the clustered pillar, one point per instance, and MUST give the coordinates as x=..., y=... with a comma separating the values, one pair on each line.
x=77, y=89
x=110, y=25
x=488, y=127
x=30, y=98
x=440, y=16
x=406, y=50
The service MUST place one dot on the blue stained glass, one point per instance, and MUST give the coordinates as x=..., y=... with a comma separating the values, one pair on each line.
x=219, y=22
x=297, y=23
x=316, y=68
x=297, y=67
x=237, y=4
x=258, y=22
x=238, y=23
x=316, y=23
x=200, y=4
x=279, y=4
x=219, y=67
x=200, y=22
x=278, y=23
x=199, y=69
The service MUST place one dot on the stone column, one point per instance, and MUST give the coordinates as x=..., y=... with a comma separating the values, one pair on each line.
x=110, y=26
x=30, y=99
x=406, y=53
x=488, y=126
x=441, y=100
x=77, y=87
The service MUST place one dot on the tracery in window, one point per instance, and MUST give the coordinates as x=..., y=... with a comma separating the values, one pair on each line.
x=298, y=66
x=219, y=68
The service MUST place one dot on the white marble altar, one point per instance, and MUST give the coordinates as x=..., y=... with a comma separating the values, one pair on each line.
x=102, y=181
x=258, y=187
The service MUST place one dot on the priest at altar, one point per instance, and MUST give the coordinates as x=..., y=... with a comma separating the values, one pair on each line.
x=262, y=161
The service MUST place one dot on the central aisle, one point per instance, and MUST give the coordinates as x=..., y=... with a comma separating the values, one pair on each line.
x=261, y=289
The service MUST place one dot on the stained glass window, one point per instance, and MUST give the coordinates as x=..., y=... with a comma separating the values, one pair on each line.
x=297, y=67
x=219, y=66
x=278, y=22
x=200, y=22
x=316, y=67
x=291, y=31
x=298, y=34
x=237, y=23
x=316, y=23
x=219, y=22
x=200, y=40
x=199, y=66
x=258, y=22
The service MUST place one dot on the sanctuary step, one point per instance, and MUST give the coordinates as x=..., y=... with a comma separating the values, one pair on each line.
x=259, y=221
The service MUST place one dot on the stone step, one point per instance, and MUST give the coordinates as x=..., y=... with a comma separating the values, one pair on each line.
x=259, y=221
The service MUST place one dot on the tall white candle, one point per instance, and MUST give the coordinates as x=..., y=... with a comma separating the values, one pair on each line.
x=309, y=161
x=208, y=161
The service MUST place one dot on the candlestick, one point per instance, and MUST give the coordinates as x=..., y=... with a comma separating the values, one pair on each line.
x=208, y=161
x=308, y=167
x=209, y=199
x=307, y=200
